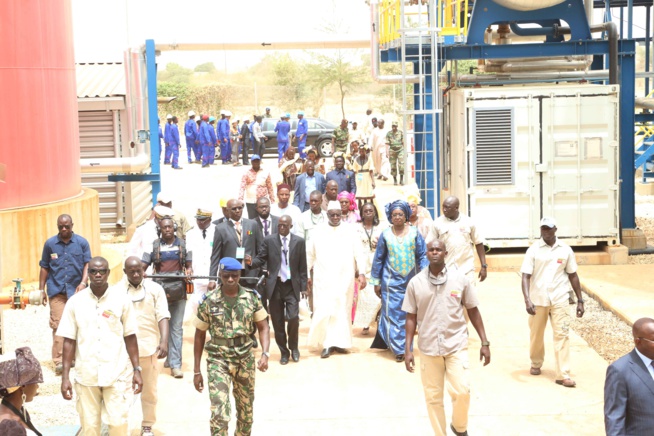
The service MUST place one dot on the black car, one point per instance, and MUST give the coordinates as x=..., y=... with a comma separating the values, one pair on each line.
x=320, y=135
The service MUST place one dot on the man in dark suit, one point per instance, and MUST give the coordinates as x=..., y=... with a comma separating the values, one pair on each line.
x=629, y=386
x=305, y=184
x=285, y=254
x=267, y=223
x=235, y=237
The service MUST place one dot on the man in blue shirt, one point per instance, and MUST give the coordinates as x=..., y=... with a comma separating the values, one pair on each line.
x=64, y=270
x=344, y=178
x=192, y=143
x=301, y=134
x=282, y=128
x=223, y=137
x=166, y=138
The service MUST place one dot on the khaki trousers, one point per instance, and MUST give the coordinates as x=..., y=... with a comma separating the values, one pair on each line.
x=111, y=402
x=150, y=375
x=434, y=370
x=57, y=304
x=559, y=316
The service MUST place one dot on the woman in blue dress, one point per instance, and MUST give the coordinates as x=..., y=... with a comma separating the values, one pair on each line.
x=401, y=253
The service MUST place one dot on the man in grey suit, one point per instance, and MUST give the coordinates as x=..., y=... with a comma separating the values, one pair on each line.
x=236, y=237
x=629, y=386
x=305, y=184
x=267, y=222
x=285, y=255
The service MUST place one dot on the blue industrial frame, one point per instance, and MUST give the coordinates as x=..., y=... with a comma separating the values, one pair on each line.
x=154, y=177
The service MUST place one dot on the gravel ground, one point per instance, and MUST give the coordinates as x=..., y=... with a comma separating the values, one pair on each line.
x=607, y=334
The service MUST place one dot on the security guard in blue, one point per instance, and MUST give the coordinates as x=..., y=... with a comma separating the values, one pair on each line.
x=282, y=128
x=192, y=143
x=301, y=134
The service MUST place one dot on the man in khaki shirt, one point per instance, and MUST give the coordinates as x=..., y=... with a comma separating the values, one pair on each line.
x=99, y=328
x=460, y=234
x=152, y=316
x=549, y=268
x=434, y=302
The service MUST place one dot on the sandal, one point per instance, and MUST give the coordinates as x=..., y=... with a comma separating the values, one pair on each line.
x=566, y=382
x=365, y=331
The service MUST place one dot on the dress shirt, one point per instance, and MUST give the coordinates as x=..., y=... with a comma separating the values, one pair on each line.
x=266, y=225
x=284, y=255
x=309, y=186
x=256, y=184
x=647, y=361
x=99, y=325
x=65, y=263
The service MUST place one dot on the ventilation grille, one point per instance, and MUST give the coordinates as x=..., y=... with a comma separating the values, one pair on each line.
x=493, y=146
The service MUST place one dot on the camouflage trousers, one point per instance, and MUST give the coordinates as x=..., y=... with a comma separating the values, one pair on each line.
x=238, y=373
x=397, y=159
x=340, y=147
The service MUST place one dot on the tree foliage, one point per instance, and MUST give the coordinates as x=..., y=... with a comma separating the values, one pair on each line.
x=291, y=76
x=207, y=67
x=205, y=99
x=175, y=73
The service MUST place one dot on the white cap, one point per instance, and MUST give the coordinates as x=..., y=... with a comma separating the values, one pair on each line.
x=163, y=197
x=333, y=205
x=169, y=117
x=228, y=114
x=191, y=113
x=222, y=111
x=163, y=211
x=548, y=222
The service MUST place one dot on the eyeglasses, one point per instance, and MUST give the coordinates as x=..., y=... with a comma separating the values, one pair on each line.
x=237, y=208
x=648, y=340
x=94, y=271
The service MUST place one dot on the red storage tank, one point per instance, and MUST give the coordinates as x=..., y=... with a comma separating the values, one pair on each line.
x=39, y=143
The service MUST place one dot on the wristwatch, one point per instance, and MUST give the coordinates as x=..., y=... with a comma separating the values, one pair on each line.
x=485, y=344
x=265, y=353
x=484, y=265
x=138, y=368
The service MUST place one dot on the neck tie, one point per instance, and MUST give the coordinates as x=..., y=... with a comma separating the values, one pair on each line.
x=237, y=226
x=284, y=272
x=204, y=233
x=265, y=227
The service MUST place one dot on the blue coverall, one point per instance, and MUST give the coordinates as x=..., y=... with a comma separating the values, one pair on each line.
x=282, y=128
x=190, y=131
x=172, y=147
x=225, y=141
x=166, y=138
x=212, y=137
x=161, y=144
x=301, y=135
x=204, y=136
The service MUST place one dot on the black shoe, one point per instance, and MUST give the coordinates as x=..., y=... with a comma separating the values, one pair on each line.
x=394, y=180
x=326, y=352
x=254, y=339
x=401, y=180
x=284, y=359
x=458, y=433
x=295, y=354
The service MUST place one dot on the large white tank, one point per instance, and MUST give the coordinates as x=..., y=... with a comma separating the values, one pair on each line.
x=528, y=5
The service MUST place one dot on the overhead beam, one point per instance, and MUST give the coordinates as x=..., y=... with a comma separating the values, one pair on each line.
x=263, y=45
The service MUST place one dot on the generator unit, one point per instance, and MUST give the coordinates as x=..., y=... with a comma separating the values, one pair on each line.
x=515, y=154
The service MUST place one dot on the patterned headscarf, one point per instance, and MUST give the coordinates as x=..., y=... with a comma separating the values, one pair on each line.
x=24, y=370
x=398, y=204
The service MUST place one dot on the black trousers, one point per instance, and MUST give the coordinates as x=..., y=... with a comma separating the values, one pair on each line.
x=252, y=210
x=283, y=306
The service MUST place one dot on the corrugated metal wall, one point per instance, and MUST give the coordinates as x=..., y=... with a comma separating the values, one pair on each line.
x=98, y=134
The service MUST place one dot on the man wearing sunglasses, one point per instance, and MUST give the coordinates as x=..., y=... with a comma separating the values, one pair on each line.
x=64, y=264
x=99, y=327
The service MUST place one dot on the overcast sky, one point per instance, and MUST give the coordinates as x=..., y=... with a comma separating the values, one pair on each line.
x=104, y=29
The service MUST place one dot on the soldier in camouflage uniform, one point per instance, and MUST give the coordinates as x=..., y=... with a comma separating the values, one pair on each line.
x=230, y=313
x=341, y=137
x=396, y=154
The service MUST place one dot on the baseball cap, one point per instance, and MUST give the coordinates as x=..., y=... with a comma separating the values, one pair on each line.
x=255, y=157
x=191, y=113
x=548, y=222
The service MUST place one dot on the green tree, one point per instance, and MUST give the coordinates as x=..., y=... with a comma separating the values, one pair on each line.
x=207, y=67
x=175, y=73
x=337, y=70
x=290, y=75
